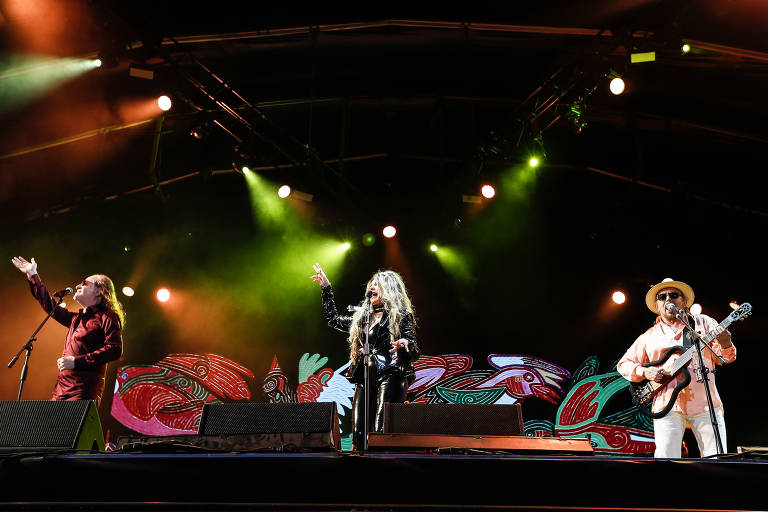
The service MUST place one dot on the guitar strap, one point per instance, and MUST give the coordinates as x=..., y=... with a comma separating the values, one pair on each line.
x=688, y=336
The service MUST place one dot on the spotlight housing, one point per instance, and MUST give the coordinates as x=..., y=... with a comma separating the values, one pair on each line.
x=164, y=103
x=617, y=85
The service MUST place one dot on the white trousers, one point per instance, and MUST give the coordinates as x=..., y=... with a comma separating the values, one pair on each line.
x=668, y=433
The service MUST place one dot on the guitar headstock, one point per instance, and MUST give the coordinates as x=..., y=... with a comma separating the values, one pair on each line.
x=741, y=312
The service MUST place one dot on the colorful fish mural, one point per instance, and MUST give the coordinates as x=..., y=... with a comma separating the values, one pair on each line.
x=581, y=414
x=167, y=398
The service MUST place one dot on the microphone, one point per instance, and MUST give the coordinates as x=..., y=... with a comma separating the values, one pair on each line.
x=63, y=293
x=354, y=308
x=672, y=308
x=368, y=294
x=679, y=313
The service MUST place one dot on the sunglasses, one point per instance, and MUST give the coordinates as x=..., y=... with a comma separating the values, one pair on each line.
x=671, y=295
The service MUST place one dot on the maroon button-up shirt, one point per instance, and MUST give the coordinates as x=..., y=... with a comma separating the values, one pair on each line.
x=94, y=339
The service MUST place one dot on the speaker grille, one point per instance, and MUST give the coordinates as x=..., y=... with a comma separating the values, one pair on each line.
x=256, y=418
x=41, y=424
x=454, y=419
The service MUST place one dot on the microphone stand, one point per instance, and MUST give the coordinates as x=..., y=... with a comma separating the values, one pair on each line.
x=366, y=371
x=702, y=376
x=28, y=347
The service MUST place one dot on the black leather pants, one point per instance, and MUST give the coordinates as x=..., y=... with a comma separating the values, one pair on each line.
x=390, y=388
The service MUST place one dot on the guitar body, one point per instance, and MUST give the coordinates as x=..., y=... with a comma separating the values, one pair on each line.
x=644, y=391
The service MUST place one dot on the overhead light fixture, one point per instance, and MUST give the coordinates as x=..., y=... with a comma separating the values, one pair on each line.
x=389, y=231
x=164, y=103
x=617, y=85
x=200, y=131
x=146, y=74
x=636, y=58
x=575, y=115
x=108, y=59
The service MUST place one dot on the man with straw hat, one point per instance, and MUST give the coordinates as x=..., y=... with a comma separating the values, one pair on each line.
x=691, y=404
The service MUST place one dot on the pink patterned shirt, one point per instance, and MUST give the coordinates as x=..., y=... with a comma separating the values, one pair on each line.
x=652, y=344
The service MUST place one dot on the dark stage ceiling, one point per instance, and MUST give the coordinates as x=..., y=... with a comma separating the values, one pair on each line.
x=434, y=96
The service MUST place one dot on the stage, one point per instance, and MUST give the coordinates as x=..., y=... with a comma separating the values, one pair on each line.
x=377, y=481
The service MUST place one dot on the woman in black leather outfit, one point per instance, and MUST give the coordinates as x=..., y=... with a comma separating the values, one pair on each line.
x=392, y=341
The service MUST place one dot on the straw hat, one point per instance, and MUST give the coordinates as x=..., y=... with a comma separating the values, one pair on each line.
x=650, y=297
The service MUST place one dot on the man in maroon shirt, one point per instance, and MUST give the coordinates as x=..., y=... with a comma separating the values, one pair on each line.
x=94, y=338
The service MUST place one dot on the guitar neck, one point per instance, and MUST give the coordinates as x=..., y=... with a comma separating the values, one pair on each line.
x=707, y=338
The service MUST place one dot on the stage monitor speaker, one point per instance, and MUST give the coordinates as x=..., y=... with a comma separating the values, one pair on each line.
x=43, y=425
x=454, y=419
x=313, y=425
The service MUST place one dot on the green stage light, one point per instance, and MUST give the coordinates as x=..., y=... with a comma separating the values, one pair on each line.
x=346, y=246
x=533, y=162
x=24, y=78
x=369, y=239
x=268, y=208
x=455, y=263
x=686, y=48
x=433, y=248
x=284, y=191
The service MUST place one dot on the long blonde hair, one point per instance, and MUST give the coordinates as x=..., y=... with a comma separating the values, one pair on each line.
x=109, y=295
x=394, y=298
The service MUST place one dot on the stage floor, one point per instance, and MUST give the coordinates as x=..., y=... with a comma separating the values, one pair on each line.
x=377, y=481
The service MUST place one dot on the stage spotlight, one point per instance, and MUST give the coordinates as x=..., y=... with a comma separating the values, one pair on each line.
x=575, y=115
x=488, y=191
x=696, y=309
x=97, y=63
x=685, y=48
x=618, y=297
x=734, y=304
x=245, y=168
x=164, y=103
x=163, y=294
x=369, y=239
x=346, y=246
x=617, y=85
x=533, y=161
x=128, y=291
x=433, y=248
x=107, y=60
x=284, y=191
x=200, y=131
x=389, y=231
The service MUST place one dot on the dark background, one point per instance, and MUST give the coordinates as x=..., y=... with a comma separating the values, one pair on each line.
x=666, y=180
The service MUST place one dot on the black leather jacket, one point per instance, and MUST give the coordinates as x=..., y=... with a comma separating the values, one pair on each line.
x=379, y=341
